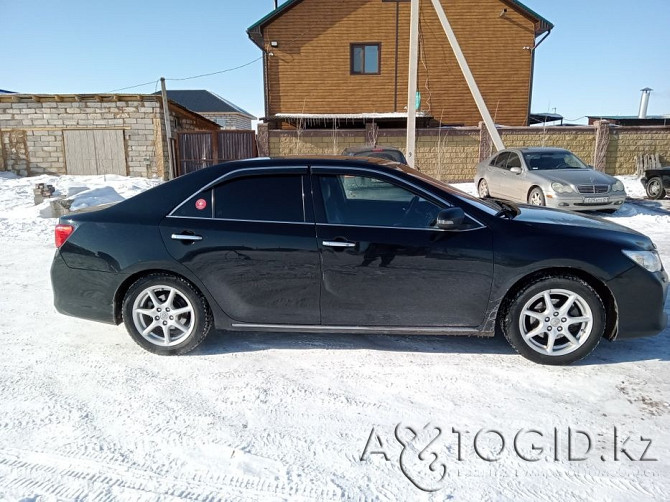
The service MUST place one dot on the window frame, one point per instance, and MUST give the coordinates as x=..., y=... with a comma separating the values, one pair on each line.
x=302, y=172
x=511, y=156
x=320, y=204
x=496, y=162
x=363, y=45
x=237, y=179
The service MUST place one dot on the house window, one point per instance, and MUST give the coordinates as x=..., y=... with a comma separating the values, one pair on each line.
x=365, y=59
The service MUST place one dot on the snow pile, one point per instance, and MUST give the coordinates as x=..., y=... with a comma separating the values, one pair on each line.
x=633, y=186
x=86, y=414
x=20, y=216
x=94, y=197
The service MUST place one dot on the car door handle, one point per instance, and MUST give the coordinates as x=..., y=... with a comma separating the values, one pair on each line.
x=339, y=244
x=186, y=237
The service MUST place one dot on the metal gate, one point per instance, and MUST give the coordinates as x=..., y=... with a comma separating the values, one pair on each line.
x=196, y=150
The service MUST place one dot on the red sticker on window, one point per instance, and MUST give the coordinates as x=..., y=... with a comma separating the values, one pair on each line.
x=200, y=204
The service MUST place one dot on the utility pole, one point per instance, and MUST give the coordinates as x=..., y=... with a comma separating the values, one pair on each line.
x=168, y=130
x=411, y=83
x=462, y=62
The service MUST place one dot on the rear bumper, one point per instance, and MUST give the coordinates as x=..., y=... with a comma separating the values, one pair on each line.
x=83, y=293
x=640, y=297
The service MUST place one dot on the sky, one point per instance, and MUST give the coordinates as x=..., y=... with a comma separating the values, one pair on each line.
x=594, y=62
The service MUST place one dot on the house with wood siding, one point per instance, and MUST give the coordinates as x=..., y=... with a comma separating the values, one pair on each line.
x=345, y=62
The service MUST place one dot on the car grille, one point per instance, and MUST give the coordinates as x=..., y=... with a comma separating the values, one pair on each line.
x=593, y=188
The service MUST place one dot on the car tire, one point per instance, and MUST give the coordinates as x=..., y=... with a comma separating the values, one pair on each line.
x=166, y=314
x=609, y=211
x=575, y=326
x=655, y=189
x=483, y=189
x=536, y=197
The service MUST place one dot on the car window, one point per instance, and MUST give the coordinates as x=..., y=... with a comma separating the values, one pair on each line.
x=198, y=206
x=513, y=161
x=261, y=198
x=367, y=188
x=366, y=200
x=501, y=160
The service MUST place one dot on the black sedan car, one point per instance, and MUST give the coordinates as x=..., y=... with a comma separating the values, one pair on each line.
x=358, y=246
x=656, y=182
x=377, y=152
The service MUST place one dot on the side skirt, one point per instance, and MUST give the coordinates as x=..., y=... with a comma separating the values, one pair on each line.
x=383, y=330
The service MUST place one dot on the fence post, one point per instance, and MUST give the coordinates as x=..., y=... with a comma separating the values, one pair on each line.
x=485, y=142
x=602, y=142
x=263, y=140
x=371, y=133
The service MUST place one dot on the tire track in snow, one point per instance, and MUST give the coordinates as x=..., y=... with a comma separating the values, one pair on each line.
x=47, y=474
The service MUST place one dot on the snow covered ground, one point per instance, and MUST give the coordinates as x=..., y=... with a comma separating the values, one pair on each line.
x=85, y=414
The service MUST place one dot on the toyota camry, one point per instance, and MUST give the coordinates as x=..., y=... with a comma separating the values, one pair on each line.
x=337, y=245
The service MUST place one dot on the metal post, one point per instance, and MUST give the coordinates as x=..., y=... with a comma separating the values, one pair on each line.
x=479, y=100
x=411, y=81
x=168, y=130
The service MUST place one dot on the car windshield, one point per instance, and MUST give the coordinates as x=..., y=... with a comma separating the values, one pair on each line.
x=542, y=161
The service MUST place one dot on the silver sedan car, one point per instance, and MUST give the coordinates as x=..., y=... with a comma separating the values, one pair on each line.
x=550, y=177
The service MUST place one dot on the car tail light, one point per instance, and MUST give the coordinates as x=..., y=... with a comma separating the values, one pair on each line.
x=62, y=233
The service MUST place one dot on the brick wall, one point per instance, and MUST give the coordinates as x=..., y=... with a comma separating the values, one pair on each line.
x=32, y=139
x=41, y=124
x=451, y=154
x=627, y=142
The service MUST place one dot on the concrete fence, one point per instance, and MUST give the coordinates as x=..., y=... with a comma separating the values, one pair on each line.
x=451, y=154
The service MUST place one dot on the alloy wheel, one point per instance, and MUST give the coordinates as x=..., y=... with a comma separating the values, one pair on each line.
x=654, y=188
x=483, y=189
x=536, y=197
x=163, y=315
x=556, y=322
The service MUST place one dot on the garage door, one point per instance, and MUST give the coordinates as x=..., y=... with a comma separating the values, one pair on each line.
x=95, y=151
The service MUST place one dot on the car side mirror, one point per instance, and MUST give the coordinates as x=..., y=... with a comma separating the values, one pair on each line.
x=450, y=219
x=515, y=170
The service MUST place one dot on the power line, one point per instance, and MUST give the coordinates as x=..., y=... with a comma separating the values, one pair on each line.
x=217, y=72
x=133, y=86
x=189, y=78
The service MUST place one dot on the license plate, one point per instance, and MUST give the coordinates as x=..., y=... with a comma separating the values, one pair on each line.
x=596, y=200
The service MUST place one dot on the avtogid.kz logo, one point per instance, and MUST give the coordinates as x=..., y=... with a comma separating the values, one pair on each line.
x=427, y=451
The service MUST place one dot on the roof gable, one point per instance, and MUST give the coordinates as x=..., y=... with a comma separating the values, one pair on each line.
x=203, y=101
x=542, y=25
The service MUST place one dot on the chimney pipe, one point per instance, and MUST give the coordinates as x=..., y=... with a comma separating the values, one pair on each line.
x=276, y=2
x=644, y=103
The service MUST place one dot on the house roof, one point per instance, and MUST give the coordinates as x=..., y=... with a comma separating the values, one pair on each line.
x=633, y=120
x=542, y=25
x=106, y=97
x=202, y=101
x=628, y=117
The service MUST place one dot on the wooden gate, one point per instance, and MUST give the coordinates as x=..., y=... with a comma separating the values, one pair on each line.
x=196, y=150
x=95, y=151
